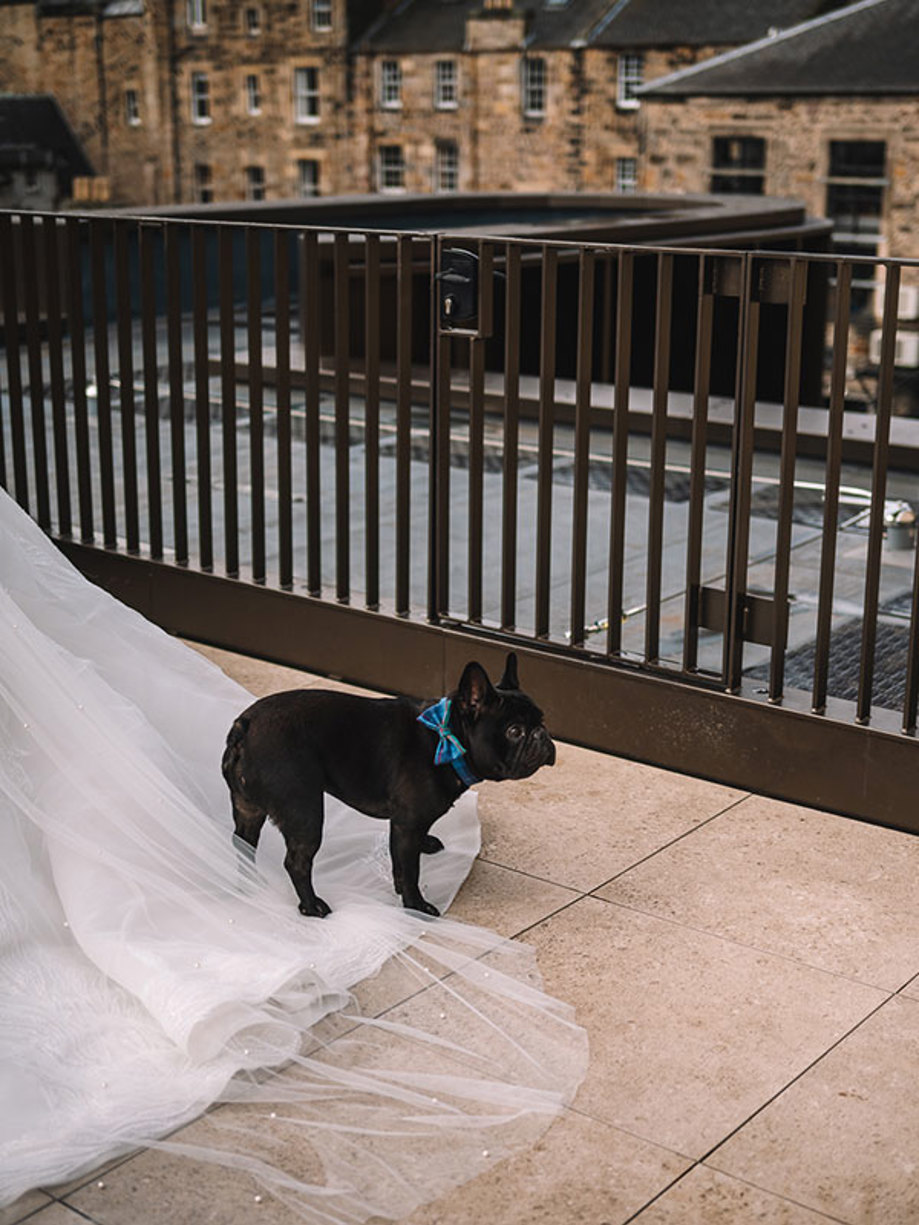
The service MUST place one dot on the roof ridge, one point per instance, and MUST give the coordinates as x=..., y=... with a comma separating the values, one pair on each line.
x=768, y=40
x=614, y=10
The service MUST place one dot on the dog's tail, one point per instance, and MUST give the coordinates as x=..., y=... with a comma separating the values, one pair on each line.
x=232, y=753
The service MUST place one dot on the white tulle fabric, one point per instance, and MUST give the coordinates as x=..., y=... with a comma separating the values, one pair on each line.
x=147, y=979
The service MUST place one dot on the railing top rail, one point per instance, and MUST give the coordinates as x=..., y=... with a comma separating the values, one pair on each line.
x=454, y=237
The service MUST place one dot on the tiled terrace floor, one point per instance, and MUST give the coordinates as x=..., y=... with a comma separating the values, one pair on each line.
x=748, y=973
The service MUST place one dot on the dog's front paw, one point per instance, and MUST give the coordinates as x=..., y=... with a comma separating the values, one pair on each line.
x=431, y=845
x=421, y=906
x=316, y=909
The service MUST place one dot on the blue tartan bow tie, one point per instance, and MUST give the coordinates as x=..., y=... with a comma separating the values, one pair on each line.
x=449, y=750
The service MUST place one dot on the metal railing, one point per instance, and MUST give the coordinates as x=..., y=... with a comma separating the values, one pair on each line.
x=375, y=454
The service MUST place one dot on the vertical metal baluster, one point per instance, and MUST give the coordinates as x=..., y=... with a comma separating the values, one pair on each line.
x=256, y=400
x=741, y=479
x=50, y=227
x=911, y=696
x=126, y=385
x=831, y=485
x=30, y=279
x=798, y=274
x=546, y=455
x=476, y=485
x=342, y=421
x=511, y=439
x=403, y=422
x=8, y=232
x=199, y=279
x=75, y=230
x=878, y=494
x=228, y=399
x=485, y=309
x=443, y=444
x=372, y=418
x=98, y=230
x=662, y=326
x=313, y=307
x=173, y=237
x=147, y=237
x=282, y=396
x=620, y=449
x=581, y=445
x=701, y=386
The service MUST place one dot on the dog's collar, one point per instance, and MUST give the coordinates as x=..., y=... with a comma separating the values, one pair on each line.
x=449, y=750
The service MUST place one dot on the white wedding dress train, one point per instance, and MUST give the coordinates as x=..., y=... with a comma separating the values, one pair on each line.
x=145, y=976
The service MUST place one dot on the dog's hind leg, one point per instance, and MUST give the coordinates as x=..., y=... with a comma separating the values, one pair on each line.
x=301, y=825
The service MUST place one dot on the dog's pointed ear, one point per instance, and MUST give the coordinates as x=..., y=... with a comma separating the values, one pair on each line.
x=475, y=689
x=509, y=679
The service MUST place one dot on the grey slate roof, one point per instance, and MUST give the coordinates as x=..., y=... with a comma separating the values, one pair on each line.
x=32, y=126
x=439, y=25
x=701, y=23
x=871, y=47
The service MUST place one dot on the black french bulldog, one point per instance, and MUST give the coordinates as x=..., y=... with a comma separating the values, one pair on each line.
x=387, y=757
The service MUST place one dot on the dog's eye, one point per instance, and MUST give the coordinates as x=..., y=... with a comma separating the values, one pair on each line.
x=514, y=731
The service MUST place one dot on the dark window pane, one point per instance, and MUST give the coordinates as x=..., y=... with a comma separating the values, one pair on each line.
x=857, y=159
x=739, y=153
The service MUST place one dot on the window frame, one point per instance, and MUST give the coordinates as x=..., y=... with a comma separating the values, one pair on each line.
x=382, y=186
x=302, y=163
x=196, y=15
x=390, y=85
x=306, y=101
x=132, y=115
x=626, y=183
x=253, y=94
x=529, y=87
x=253, y=29
x=442, y=149
x=204, y=182
x=741, y=170
x=200, y=98
x=255, y=186
x=441, y=101
x=325, y=7
x=627, y=81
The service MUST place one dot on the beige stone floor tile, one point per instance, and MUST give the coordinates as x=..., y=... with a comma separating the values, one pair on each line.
x=844, y=1139
x=505, y=901
x=23, y=1207
x=705, y=1197
x=689, y=1033
x=262, y=678
x=911, y=990
x=590, y=816
x=157, y=1187
x=831, y=892
x=57, y=1214
x=580, y=1171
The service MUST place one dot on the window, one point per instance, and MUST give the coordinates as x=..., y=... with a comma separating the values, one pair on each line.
x=855, y=189
x=255, y=182
x=446, y=95
x=390, y=84
x=630, y=76
x=626, y=173
x=534, y=86
x=391, y=175
x=200, y=98
x=203, y=191
x=321, y=14
x=253, y=21
x=131, y=108
x=446, y=166
x=307, y=177
x=253, y=95
x=306, y=95
x=738, y=165
x=197, y=14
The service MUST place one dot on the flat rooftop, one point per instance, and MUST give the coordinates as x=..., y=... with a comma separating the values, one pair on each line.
x=748, y=974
